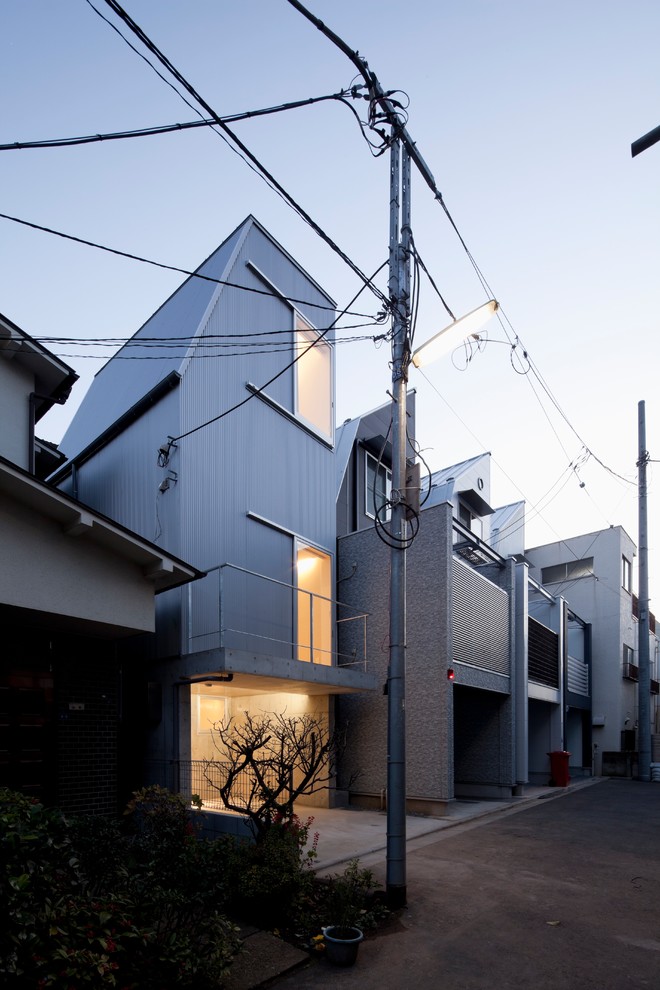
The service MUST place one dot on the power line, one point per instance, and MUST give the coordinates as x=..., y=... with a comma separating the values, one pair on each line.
x=254, y=350
x=259, y=391
x=236, y=143
x=185, y=338
x=379, y=96
x=534, y=505
x=501, y=315
x=170, y=128
x=174, y=268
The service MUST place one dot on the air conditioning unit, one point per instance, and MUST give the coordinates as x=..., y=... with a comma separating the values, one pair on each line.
x=631, y=671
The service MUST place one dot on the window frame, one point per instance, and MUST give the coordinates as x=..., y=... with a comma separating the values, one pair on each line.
x=626, y=574
x=568, y=571
x=302, y=594
x=302, y=326
x=196, y=699
x=379, y=464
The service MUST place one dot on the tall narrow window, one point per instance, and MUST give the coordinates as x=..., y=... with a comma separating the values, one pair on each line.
x=626, y=574
x=314, y=578
x=378, y=485
x=313, y=379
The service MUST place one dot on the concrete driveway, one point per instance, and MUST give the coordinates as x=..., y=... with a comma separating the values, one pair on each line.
x=559, y=895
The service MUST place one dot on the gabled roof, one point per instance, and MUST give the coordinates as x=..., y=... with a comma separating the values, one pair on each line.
x=53, y=379
x=503, y=516
x=371, y=425
x=454, y=471
x=448, y=482
x=122, y=382
x=507, y=529
x=162, y=347
x=345, y=436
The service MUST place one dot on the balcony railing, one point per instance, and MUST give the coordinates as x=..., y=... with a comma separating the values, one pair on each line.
x=235, y=608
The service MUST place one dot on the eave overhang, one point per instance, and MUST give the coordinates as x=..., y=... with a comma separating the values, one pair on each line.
x=76, y=520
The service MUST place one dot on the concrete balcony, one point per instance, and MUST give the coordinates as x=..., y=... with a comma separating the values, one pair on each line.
x=272, y=636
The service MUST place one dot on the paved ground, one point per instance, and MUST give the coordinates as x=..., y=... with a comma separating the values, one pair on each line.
x=552, y=895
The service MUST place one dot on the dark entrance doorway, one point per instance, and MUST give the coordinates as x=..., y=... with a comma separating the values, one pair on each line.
x=26, y=733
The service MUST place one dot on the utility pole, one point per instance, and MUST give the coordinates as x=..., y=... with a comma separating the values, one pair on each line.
x=399, y=292
x=644, y=683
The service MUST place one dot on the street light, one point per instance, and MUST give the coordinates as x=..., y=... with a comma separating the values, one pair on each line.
x=454, y=334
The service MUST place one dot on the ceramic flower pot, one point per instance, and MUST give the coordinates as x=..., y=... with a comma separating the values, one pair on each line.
x=341, y=944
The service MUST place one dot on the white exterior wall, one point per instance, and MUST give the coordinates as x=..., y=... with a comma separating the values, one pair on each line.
x=601, y=600
x=16, y=384
x=58, y=574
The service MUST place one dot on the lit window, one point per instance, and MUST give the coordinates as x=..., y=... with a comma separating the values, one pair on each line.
x=313, y=378
x=626, y=574
x=378, y=486
x=207, y=710
x=314, y=581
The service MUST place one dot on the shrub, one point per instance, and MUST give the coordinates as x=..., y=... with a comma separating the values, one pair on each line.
x=39, y=868
x=83, y=904
x=350, y=898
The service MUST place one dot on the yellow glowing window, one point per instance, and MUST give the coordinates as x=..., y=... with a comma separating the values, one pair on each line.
x=314, y=580
x=313, y=379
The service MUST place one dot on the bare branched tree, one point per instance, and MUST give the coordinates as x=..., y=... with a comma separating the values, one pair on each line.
x=267, y=761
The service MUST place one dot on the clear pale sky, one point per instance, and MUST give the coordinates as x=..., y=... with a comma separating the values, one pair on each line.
x=525, y=112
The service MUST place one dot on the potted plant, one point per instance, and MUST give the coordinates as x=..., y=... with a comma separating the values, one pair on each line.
x=347, y=900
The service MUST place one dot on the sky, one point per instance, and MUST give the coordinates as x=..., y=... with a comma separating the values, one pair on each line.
x=524, y=112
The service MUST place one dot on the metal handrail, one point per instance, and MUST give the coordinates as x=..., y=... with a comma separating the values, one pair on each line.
x=334, y=655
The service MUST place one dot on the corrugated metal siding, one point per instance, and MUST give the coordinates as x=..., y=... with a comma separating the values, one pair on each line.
x=543, y=654
x=121, y=383
x=122, y=480
x=253, y=459
x=480, y=619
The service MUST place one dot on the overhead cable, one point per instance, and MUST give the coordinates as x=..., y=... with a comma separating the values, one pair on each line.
x=170, y=128
x=282, y=371
x=236, y=143
x=174, y=268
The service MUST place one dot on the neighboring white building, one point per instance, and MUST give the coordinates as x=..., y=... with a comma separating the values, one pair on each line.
x=74, y=584
x=594, y=573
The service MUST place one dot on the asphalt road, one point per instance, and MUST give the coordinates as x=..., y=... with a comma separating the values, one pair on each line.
x=561, y=894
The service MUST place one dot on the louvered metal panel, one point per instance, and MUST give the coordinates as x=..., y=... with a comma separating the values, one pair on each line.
x=480, y=617
x=578, y=676
x=543, y=654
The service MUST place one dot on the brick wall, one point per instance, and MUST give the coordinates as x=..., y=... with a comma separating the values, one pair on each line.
x=87, y=730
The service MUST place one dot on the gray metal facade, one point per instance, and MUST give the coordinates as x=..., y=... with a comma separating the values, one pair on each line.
x=202, y=448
